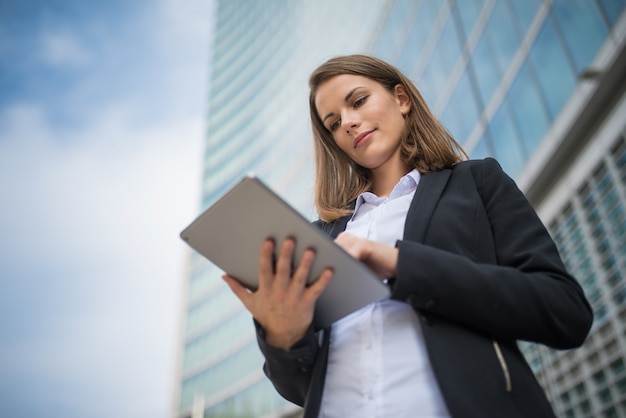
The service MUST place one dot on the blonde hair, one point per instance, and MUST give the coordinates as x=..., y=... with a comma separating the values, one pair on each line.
x=426, y=145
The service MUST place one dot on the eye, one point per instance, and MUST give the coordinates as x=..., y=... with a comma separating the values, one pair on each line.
x=360, y=101
x=335, y=125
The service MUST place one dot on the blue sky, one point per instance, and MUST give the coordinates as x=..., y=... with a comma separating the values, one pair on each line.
x=101, y=122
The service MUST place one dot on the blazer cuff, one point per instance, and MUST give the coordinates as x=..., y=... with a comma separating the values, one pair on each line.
x=301, y=356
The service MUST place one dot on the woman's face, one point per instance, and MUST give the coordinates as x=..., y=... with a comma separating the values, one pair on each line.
x=364, y=118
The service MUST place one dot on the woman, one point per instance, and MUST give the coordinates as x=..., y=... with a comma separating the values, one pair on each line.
x=471, y=268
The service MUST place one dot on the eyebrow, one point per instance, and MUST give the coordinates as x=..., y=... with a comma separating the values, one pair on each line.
x=345, y=99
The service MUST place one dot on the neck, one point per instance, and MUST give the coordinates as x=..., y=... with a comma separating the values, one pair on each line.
x=384, y=179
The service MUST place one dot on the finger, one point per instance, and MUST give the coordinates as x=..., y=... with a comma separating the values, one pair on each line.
x=241, y=292
x=284, y=263
x=313, y=292
x=355, y=246
x=344, y=237
x=266, y=264
x=345, y=241
x=299, y=279
x=382, y=259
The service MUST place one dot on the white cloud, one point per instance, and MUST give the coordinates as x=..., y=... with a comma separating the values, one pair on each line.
x=110, y=179
x=91, y=265
x=106, y=213
x=65, y=49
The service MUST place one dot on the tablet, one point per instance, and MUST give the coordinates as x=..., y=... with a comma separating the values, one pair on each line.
x=230, y=233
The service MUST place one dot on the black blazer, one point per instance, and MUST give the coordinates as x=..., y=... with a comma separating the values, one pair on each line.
x=481, y=272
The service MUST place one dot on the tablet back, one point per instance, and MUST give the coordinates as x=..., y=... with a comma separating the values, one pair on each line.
x=231, y=231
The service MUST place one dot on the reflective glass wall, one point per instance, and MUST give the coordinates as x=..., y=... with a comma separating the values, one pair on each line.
x=489, y=67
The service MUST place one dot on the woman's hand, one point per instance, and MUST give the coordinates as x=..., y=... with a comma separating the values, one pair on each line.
x=283, y=304
x=380, y=258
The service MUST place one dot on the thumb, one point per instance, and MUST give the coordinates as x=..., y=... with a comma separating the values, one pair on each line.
x=241, y=292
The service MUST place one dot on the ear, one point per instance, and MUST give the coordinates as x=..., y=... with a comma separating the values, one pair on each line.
x=402, y=99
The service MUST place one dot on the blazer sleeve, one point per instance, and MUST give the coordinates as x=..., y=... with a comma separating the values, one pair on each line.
x=523, y=292
x=290, y=371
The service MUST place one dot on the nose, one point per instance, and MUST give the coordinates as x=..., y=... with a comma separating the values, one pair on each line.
x=349, y=120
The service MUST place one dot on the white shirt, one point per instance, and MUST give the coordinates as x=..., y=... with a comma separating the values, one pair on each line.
x=378, y=366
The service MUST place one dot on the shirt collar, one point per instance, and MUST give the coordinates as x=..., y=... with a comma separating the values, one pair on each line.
x=407, y=184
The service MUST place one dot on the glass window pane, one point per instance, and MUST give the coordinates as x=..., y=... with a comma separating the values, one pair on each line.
x=461, y=113
x=468, y=12
x=431, y=8
x=528, y=109
x=486, y=70
x=448, y=46
x=416, y=39
x=388, y=38
x=501, y=29
x=433, y=80
x=449, y=119
x=583, y=29
x=423, y=26
x=441, y=63
x=554, y=72
x=613, y=9
x=482, y=150
x=506, y=145
x=525, y=11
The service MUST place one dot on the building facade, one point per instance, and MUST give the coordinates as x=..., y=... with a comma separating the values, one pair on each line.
x=537, y=84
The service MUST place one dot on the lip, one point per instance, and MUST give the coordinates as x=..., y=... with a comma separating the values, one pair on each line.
x=362, y=138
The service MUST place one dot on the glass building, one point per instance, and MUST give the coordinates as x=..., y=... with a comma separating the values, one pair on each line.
x=539, y=85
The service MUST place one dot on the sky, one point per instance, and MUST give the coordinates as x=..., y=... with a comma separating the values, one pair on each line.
x=102, y=109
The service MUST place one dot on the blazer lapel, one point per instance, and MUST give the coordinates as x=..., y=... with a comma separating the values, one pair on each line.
x=338, y=226
x=427, y=194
